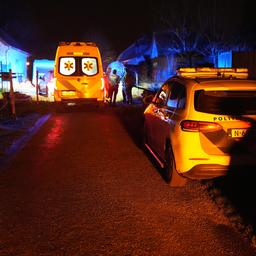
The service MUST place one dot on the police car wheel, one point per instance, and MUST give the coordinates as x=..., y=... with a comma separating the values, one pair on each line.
x=168, y=168
x=172, y=177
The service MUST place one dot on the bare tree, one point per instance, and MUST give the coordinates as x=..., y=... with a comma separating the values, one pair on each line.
x=221, y=30
x=204, y=27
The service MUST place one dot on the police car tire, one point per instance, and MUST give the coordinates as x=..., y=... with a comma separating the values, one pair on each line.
x=172, y=177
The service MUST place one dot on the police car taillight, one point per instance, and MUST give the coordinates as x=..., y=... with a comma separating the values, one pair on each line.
x=199, y=126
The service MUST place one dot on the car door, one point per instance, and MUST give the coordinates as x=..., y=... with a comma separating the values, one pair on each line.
x=168, y=115
x=158, y=110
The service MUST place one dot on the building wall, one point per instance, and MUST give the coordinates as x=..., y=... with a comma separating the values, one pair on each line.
x=12, y=58
x=245, y=60
x=163, y=67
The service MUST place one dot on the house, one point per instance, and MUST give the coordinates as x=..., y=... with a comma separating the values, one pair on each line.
x=157, y=57
x=245, y=59
x=12, y=57
x=239, y=59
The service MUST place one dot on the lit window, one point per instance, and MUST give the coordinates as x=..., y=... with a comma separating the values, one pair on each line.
x=89, y=66
x=67, y=66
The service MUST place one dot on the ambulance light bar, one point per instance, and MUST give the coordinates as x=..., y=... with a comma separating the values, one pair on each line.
x=205, y=72
x=77, y=43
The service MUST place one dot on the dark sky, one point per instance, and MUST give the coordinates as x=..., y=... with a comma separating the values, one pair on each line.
x=40, y=25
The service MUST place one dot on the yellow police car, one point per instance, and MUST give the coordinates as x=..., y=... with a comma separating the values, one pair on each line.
x=201, y=122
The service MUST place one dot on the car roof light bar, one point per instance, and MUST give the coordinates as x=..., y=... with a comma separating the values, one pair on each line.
x=205, y=72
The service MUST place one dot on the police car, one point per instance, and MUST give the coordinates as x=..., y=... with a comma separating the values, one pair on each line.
x=196, y=121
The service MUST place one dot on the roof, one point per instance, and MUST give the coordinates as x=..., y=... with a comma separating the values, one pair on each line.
x=153, y=45
x=8, y=40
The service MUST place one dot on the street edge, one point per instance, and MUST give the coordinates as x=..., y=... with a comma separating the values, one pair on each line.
x=21, y=142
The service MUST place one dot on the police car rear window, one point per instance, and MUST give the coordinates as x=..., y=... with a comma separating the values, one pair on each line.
x=225, y=102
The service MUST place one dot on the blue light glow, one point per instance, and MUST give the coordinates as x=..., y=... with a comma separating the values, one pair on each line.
x=225, y=59
x=119, y=66
x=42, y=66
x=154, y=50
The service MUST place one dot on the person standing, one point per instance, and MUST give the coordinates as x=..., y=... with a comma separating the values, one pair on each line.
x=122, y=82
x=129, y=83
x=114, y=80
x=106, y=85
x=124, y=91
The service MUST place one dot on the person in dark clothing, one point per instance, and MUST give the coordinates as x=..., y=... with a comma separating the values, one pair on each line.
x=114, y=80
x=106, y=85
x=124, y=91
x=149, y=65
x=122, y=83
x=129, y=84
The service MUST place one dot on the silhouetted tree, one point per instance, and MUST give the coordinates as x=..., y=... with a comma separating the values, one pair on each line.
x=201, y=27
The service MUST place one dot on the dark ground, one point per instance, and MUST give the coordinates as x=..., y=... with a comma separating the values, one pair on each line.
x=13, y=128
x=234, y=194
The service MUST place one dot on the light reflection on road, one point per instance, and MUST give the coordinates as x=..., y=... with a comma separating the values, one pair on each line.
x=53, y=137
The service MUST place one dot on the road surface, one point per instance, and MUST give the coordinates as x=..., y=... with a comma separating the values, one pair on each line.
x=83, y=186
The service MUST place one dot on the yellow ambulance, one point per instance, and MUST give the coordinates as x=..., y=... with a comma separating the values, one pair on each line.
x=78, y=72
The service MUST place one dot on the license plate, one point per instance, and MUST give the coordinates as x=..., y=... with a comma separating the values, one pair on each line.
x=238, y=133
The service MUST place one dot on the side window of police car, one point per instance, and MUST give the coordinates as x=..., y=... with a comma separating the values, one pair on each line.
x=162, y=95
x=177, y=96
